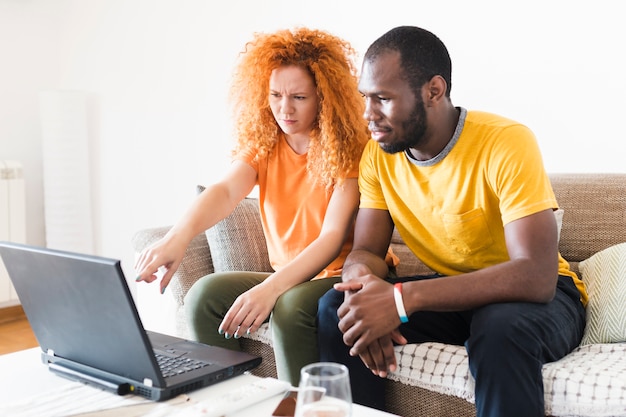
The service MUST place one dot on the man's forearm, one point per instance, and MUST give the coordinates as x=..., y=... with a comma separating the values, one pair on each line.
x=360, y=262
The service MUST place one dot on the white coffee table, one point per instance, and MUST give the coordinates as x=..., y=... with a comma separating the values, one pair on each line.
x=28, y=389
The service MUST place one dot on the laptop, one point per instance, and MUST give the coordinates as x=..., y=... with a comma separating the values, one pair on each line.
x=84, y=318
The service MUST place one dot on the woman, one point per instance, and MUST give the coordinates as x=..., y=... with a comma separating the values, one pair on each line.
x=300, y=134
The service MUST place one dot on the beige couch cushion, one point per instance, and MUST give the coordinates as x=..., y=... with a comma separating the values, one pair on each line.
x=558, y=215
x=237, y=243
x=605, y=276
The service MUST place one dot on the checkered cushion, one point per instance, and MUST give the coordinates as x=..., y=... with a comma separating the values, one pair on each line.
x=590, y=381
x=576, y=385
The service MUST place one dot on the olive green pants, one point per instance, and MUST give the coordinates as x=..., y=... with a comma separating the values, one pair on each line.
x=292, y=322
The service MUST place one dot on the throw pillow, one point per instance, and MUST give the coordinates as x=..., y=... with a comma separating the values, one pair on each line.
x=237, y=243
x=558, y=215
x=604, y=273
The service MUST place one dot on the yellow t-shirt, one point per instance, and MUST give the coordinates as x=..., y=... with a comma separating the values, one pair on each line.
x=292, y=207
x=451, y=211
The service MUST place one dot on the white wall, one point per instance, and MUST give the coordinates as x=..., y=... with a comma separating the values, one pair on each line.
x=156, y=74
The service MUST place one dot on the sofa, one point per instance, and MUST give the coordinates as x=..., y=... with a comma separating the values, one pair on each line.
x=433, y=379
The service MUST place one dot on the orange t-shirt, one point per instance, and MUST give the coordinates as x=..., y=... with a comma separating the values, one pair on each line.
x=292, y=207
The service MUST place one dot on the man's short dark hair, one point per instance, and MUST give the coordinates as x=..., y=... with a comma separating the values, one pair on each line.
x=422, y=55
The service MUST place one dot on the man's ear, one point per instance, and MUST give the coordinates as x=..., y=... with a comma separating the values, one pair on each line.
x=435, y=90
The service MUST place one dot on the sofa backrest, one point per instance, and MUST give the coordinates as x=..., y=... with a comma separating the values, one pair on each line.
x=594, y=215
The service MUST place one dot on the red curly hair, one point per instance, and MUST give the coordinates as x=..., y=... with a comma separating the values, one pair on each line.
x=340, y=134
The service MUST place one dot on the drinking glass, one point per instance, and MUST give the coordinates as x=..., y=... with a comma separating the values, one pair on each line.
x=324, y=391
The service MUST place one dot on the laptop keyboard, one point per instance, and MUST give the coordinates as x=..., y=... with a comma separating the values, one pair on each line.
x=171, y=365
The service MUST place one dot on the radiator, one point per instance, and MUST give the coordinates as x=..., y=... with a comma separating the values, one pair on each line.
x=12, y=219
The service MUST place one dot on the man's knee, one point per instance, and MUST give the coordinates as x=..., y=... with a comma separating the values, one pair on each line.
x=504, y=330
x=328, y=305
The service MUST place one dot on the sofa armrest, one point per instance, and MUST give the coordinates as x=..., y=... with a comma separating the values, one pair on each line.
x=157, y=309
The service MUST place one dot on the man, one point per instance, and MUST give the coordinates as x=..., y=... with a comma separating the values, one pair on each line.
x=469, y=195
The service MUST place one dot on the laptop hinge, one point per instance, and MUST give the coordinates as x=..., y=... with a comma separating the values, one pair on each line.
x=74, y=375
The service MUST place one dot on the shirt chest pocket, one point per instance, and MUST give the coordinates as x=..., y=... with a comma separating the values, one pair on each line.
x=467, y=233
